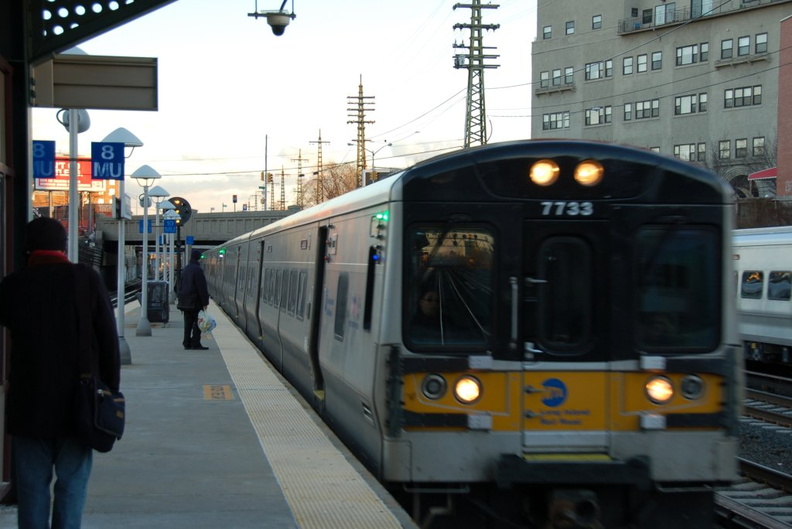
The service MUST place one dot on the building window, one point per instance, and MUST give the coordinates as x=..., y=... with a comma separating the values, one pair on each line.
x=596, y=22
x=599, y=70
x=741, y=148
x=665, y=14
x=727, y=49
x=547, y=32
x=742, y=97
x=759, y=146
x=743, y=46
x=544, y=80
x=556, y=120
x=642, y=63
x=627, y=66
x=647, y=16
x=761, y=43
x=724, y=149
x=657, y=60
x=685, y=105
x=701, y=8
x=569, y=75
x=702, y=152
x=687, y=55
x=704, y=52
x=654, y=149
x=647, y=109
x=685, y=152
x=557, y=77
x=570, y=27
x=628, y=111
x=703, y=101
x=598, y=115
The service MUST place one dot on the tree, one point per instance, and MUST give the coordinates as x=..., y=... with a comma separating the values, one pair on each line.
x=336, y=179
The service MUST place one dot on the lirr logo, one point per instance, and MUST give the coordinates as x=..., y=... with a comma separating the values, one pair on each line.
x=555, y=392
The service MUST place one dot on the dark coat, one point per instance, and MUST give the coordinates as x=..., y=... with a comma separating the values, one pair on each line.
x=193, y=293
x=38, y=304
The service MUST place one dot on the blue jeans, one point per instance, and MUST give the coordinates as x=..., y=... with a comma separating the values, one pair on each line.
x=34, y=461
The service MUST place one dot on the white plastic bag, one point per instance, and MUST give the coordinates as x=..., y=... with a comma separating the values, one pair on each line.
x=206, y=321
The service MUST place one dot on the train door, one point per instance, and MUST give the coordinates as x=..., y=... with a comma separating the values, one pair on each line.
x=567, y=291
x=316, y=312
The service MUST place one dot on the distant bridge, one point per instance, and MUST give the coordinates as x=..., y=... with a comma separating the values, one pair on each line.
x=207, y=229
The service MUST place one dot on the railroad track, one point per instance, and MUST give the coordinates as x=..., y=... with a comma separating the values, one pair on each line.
x=761, y=499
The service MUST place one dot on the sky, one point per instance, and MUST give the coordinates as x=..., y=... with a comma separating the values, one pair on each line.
x=234, y=99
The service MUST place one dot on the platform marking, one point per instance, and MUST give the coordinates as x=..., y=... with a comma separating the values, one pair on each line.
x=217, y=392
x=322, y=488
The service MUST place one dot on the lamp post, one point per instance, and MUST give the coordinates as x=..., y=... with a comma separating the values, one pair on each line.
x=75, y=121
x=145, y=176
x=122, y=135
x=373, y=154
x=158, y=194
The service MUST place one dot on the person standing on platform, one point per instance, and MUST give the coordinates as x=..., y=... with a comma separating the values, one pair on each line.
x=193, y=297
x=38, y=305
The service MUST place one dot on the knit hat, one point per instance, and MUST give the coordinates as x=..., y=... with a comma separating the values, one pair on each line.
x=195, y=255
x=45, y=233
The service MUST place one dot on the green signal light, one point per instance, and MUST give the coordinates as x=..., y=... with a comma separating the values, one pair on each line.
x=222, y=251
x=383, y=216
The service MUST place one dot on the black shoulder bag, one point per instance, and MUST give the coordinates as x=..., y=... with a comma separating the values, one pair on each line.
x=100, y=412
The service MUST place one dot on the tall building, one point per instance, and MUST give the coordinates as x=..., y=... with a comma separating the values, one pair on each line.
x=697, y=79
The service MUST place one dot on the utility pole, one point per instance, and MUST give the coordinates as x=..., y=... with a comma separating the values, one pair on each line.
x=300, y=177
x=359, y=117
x=319, y=184
x=283, y=189
x=473, y=61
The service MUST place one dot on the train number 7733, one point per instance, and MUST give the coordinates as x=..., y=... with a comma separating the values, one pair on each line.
x=561, y=208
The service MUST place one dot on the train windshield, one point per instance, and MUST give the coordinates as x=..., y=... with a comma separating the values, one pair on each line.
x=678, y=296
x=449, y=298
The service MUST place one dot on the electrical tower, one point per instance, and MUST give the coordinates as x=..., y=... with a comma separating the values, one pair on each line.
x=473, y=61
x=319, y=184
x=300, y=177
x=359, y=117
x=283, y=189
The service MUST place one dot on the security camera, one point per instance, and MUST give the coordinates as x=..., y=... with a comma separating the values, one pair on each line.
x=278, y=22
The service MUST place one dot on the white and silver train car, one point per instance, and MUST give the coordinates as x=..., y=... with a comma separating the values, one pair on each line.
x=543, y=328
x=763, y=276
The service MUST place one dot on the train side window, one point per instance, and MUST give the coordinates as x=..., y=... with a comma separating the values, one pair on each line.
x=273, y=287
x=341, y=306
x=265, y=287
x=292, y=292
x=278, y=290
x=300, y=309
x=779, y=285
x=678, y=294
x=752, y=283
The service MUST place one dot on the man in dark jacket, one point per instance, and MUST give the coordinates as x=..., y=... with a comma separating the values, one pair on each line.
x=193, y=297
x=38, y=304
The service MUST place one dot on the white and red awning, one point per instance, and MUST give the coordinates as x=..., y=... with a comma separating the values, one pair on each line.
x=764, y=175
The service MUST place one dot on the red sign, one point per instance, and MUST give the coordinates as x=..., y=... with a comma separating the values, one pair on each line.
x=62, y=176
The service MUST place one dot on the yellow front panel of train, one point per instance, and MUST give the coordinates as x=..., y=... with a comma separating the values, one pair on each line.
x=565, y=401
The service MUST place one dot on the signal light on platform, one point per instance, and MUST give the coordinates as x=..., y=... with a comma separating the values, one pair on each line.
x=544, y=173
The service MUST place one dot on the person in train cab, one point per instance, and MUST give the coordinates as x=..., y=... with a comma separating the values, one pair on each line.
x=193, y=297
x=431, y=323
x=38, y=305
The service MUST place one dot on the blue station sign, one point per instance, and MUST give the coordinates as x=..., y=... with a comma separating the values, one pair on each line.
x=107, y=160
x=43, y=159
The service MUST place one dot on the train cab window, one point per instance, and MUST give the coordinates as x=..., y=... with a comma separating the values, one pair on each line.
x=678, y=294
x=449, y=292
x=779, y=286
x=752, y=283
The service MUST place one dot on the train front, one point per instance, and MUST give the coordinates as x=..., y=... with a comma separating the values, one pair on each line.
x=568, y=352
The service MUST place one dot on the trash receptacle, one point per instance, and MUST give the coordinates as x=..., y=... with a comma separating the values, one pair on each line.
x=158, y=309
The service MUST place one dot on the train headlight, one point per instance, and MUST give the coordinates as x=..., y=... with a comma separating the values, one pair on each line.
x=589, y=173
x=434, y=387
x=659, y=390
x=692, y=387
x=544, y=172
x=467, y=389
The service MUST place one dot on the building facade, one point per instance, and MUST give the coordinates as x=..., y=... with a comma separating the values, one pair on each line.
x=697, y=79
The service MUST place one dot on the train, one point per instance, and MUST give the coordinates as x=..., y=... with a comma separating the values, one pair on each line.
x=536, y=333
x=763, y=290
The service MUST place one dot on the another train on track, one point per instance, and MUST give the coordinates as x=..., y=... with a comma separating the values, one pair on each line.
x=542, y=332
x=763, y=281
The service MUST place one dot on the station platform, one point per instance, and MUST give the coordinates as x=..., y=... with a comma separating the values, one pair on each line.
x=216, y=438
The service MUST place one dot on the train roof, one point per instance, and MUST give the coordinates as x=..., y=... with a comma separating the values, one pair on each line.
x=773, y=235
